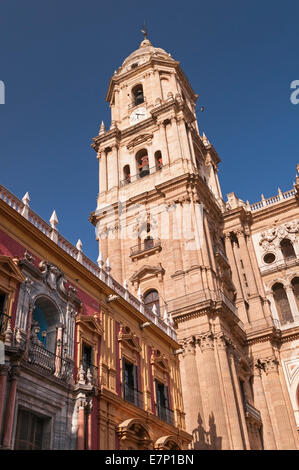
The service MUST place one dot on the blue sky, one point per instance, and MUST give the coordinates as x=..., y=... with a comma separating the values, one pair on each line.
x=56, y=59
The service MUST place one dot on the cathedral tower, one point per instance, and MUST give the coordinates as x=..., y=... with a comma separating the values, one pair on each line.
x=159, y=221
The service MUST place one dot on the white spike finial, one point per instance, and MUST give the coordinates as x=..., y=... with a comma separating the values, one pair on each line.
x=154, y=310
x=26, y=199
x=108, y=265
x=100, y=260
x=126, y=284
x=25, y=210
x=79, y=245
x=54, y=219
x=102, y=128
x=170, y=320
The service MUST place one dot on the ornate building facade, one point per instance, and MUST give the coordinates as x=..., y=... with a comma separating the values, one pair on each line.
x=83, y=363
x=227, y=273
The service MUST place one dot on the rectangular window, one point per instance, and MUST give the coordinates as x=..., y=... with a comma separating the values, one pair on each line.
x=29, y=435
x=130, y=383
x=162, y=398
x=86, y=357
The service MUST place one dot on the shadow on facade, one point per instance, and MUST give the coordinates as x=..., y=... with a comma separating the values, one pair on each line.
x=206, y=440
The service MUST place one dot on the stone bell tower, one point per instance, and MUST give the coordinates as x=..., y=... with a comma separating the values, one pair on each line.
x=159, y=221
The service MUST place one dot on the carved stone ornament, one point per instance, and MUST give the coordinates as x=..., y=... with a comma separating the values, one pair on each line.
x=139, y=140
x=272, y=237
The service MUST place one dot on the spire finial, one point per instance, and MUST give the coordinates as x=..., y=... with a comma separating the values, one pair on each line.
x=144, y=31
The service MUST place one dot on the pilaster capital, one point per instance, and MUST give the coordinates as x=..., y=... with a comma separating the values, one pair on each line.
x=206, y=341
x=267, y=365
x=188, y=345
x=240, y=233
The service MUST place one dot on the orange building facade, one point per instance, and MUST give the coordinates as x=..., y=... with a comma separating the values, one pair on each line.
x=84, y=364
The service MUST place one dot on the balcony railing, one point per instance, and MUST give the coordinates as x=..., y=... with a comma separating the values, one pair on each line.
x=133, y=396
x=147, y=245
x=252, y=412
x=141, y=175
x=49, y=363
x=165, y=414
x=3, y=323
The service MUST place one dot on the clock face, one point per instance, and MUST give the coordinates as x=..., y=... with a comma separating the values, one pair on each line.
x=137, y=115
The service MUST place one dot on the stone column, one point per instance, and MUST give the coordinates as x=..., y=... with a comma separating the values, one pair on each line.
x=215, y=413
x=230, y=396
x=283, y=429
x=3, y=381
x=261, y=404
x=112, y=165
x=193, y=158
x=292, y=302
x=164, y=144
x=236, y=279
x=103, y=172
x=81, y=424
x=183, y=138
x=10, y=407
x=176, y=137
x=247, y=264
x=240, y=405
x=191, y=394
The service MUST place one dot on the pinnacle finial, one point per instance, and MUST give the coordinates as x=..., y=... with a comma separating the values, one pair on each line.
x=79, y=245
x=26, y=199
x=53, y=219
x=144, y=31
x=102, y=128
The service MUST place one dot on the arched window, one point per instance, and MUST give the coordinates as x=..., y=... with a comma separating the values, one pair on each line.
x=142, y=163
x=282, y=304
x=148, y=241
x=44, y=322
x=158, y=160
x=151, y=298
x=287, y=249
x=295, y=286
x=127, y=174
x=137, y=95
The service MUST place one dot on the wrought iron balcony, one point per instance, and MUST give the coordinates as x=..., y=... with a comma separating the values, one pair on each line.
x=148, y=244
x=133, y=396
x=130, y=179
x=49, y=363
x=165, y=414
x=252, y=413
x=3, y=323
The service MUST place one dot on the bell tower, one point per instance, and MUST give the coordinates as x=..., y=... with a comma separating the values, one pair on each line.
x=159, y=221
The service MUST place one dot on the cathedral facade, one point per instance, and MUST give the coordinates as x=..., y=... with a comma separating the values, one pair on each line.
x=185, y=332
x=227, y=272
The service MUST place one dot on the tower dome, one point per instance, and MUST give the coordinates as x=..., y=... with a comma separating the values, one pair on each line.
x=143, y=53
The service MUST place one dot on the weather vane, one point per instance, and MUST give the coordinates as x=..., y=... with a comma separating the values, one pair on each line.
x=144, y=31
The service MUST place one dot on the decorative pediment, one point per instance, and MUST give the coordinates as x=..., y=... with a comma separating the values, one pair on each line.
x=139, y=140
x=90, y=322
x=159, y=360
x=147, y=270
x=129, y=339
x=8, y=267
